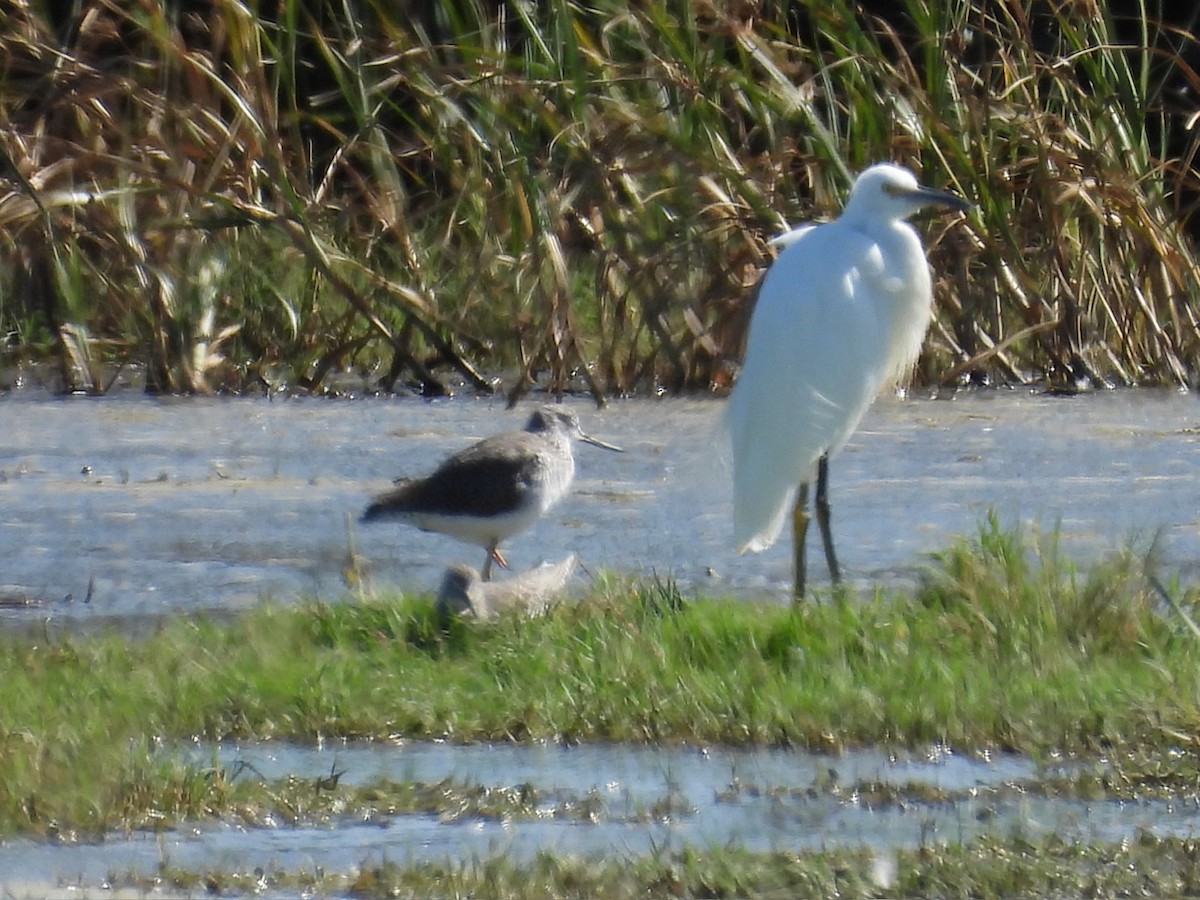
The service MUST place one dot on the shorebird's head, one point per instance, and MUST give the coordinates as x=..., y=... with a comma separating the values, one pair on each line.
x=550, y=419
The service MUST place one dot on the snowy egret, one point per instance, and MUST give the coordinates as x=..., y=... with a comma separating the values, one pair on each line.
x=494, y=488
x=840, y=313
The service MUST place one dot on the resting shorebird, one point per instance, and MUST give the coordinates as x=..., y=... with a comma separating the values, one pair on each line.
x=465, y=593
x=493, y=489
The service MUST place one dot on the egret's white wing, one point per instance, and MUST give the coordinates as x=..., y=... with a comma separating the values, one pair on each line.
x=814, y=362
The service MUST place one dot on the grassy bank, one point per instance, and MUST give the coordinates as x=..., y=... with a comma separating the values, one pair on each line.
x=576, y=194
x=1005, y=646
x=1010, y=868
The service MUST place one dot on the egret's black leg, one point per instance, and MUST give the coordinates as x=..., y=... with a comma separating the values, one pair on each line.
x=799, y=532
x=835, y=572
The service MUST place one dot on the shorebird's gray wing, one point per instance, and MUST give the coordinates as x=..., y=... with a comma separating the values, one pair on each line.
x=487, y=479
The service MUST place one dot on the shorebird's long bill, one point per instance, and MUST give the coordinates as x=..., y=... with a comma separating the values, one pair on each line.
x=596, y=442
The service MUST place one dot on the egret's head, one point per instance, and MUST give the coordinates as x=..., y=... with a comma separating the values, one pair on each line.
x=885, y=191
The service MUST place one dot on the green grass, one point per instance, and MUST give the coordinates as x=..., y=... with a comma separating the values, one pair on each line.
x=1011, y=867
x=1004, y=646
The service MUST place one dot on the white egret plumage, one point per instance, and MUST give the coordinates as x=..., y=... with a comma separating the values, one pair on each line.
x=840, y=313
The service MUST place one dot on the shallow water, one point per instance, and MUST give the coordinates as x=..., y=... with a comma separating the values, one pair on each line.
x=649, y=800
x=135, y=507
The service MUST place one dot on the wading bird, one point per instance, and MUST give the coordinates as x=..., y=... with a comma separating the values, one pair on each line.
x=841, y=312
x=493, y=489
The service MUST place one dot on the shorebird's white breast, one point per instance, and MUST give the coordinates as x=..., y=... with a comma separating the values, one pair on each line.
x=481, y=530
x=552, y=478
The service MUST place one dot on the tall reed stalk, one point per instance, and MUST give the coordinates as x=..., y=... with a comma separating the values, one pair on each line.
x=576, y=195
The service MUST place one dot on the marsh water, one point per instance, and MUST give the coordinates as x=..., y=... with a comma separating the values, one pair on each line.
x=128, y=508
x=635, y=800
x=122, y=510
